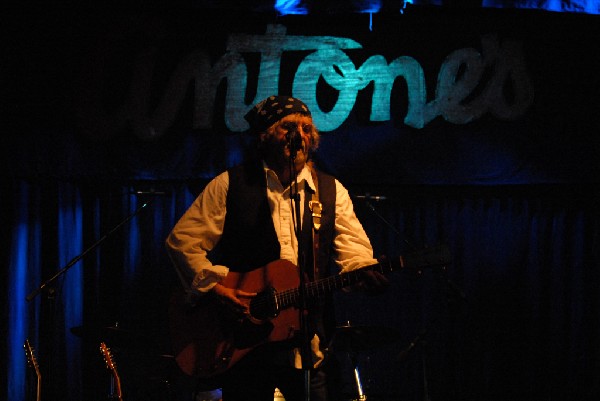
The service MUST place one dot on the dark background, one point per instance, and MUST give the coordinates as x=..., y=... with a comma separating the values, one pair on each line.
x=515, y=316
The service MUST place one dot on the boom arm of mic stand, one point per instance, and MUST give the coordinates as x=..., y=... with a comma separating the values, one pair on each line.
x=388, y=224
x=77, y=258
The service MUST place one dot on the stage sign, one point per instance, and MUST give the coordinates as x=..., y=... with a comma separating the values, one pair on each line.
x=424, y=97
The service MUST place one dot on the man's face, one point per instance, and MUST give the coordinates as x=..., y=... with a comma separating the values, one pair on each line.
x=276, y=144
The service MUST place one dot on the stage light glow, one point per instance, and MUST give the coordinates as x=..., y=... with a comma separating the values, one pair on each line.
x=564, y=6
x=373, y=6
x=285, y=7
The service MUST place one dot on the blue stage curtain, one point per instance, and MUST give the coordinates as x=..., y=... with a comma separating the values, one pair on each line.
x=515, y=316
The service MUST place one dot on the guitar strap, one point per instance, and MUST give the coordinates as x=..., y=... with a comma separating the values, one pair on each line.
x=316, y=208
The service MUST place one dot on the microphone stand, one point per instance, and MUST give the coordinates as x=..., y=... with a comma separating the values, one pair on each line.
x=295, y=197
x=51, y=292
x=77, y=258
x=367, y=199
x=420, y=338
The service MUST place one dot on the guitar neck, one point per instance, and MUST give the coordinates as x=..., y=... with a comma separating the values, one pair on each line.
x=426, y=258
x=118, y=391
x=38, y=388
x=323, y=287
x=32, y=361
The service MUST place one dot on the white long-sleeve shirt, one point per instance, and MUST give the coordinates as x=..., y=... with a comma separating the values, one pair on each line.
x=200, y=228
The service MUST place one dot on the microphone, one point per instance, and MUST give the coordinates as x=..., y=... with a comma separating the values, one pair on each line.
x=370, y=197
x=293, y=137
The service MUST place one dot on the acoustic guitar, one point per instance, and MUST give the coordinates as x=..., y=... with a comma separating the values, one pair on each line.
x=33, y=364
x=208, y=338
x=116, y=392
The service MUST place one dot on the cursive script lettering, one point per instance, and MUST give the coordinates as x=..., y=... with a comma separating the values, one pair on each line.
x=469, y=84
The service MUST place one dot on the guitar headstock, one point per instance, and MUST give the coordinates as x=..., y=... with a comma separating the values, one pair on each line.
x=31, y=359
x=108, y=357
x=438, y=256
x=112, y=366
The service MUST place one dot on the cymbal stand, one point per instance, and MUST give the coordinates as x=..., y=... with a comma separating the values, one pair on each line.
x=361, y=395
x=455, y=291
x=419, y=338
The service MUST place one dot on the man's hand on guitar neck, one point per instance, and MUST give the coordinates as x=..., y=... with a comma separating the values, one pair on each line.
x=234, y=299
x=374, y=282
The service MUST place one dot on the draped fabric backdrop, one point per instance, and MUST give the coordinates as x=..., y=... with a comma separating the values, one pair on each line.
x=514, y=317
x=479, y=130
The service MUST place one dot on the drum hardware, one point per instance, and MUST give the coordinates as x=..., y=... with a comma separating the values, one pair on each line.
x=355, y=339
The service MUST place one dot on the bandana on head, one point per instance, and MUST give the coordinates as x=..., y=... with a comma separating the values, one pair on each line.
x=273, y=109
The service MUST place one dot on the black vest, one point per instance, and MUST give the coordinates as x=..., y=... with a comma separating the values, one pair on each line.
x=249, y=239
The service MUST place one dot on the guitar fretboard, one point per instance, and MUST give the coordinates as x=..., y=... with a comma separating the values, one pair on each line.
x=320, y=288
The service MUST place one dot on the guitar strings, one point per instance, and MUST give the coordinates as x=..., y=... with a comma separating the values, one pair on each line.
x=290, y=296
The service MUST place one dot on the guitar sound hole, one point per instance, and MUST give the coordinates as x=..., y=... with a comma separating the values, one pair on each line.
x=264, y=305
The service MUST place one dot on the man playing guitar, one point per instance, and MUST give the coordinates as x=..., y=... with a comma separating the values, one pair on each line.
x=237, y=248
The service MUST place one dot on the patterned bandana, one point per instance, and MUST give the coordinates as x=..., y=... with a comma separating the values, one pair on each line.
x=273, y=109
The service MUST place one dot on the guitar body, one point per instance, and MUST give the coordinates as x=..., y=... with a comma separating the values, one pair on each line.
x=208, y=339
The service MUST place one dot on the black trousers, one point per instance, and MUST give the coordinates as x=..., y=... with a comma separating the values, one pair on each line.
x=256, y=376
